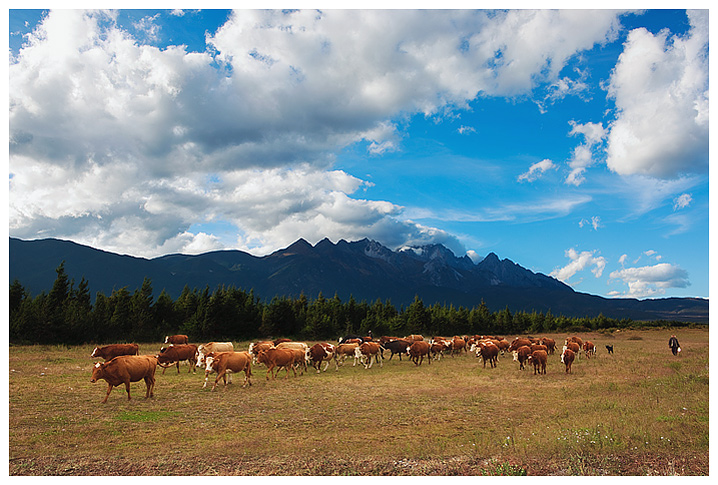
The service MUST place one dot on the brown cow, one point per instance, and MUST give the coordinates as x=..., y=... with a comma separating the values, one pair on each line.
x=174, y=354
x=281, y=340
x=457, y=346
x=535, y=347
x=589, y=348
x=576, y=339
x=550, y=344
x=574, y=348
x=414, y=338
x=418, y=350
x=371, y=351
x=204, y=350
x=539, y=358
x=177, y=339
x=437, y=349
x=342, y=352
x=322, y=352
x=277, y=358
x=488, y=352
x=567, y=358
x=256, y=347
x=519, y=342
x=125, y=369
x=521, y=355
x=109, y=352
x=224, y=363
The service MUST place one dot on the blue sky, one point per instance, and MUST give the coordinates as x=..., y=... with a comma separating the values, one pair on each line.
x=573, y=142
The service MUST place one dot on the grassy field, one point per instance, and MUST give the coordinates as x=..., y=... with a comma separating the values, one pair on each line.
x=640, y=411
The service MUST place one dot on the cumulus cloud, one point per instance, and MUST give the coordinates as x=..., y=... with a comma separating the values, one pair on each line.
x=583, y=155
x=126, y=146
x=682, y=201
x=649, y=281
x=579, y=262
x=537, y=170
x=660, y=87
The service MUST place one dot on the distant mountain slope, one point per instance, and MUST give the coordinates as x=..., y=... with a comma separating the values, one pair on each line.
x=363, y=269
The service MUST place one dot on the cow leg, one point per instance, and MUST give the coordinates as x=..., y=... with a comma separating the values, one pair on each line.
x=381, y=360
x=127, y=388
x=109, y=390
x=206, y=378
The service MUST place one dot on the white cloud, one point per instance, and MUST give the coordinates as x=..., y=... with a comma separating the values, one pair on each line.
x=648, y=281
x=126, y=146
x=466, y=129
x=583, y=155
x=579, y=262
x=682, y=201
x=595, y=222
x=660, y=87
x=537, y=170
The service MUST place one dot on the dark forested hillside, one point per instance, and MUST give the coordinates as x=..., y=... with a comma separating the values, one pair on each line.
x=363, y=270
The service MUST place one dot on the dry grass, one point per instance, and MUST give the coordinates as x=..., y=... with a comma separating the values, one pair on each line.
x=640, y=411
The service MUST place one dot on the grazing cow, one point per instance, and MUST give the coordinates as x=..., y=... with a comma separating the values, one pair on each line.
x=589, y=348
x=276, y=359
x=205, y=349
x=609, y=348
x=576, y=339
x=674, y=345
x=177, y=339
x=574, y=347
x=519, y=342
x=257, y=347
x=567, y=358
x=488, y=352
x=225, y=363
x=370, y=351
x=109, y=352
x=521, y=355
x=342, y=352
x=549, y=343
x=398, y=346
x=418, y=350
x=322, y=352
x=125, y=369
x=458, y=345
x=539, y=358
x=535, y=347
x=174, y=354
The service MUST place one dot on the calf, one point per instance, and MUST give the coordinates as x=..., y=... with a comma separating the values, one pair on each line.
x=574, y=347
x=125, y=369
x=225, y=363
x=371, y=351
x=437, y=349
x=257, y=347
x=417, y=351
x=277, y=359
x=458, y=345
x=567, y=358
x=539, y=358
x=109, y=352
x=174, y=354
x=322, y=352
x=521, y=355
x=518, y=342
x=177, y=339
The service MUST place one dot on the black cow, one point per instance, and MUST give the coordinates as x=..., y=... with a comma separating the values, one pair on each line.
x=396, y=347
x=350, y=337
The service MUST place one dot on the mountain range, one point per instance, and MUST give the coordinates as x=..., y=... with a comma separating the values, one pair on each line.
x=364, y=270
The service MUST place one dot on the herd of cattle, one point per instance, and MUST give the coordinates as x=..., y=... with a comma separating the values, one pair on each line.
x=124, y=365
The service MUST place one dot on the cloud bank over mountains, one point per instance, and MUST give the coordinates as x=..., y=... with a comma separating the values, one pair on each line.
x=126, y=146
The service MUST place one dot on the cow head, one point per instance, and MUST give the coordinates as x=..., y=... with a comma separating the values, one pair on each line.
x=94, y=352
x=97, y=372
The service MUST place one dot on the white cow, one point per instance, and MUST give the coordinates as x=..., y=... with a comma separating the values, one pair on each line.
x=204, y=349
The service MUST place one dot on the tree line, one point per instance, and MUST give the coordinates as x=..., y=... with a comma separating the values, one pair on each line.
x=66, y=315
